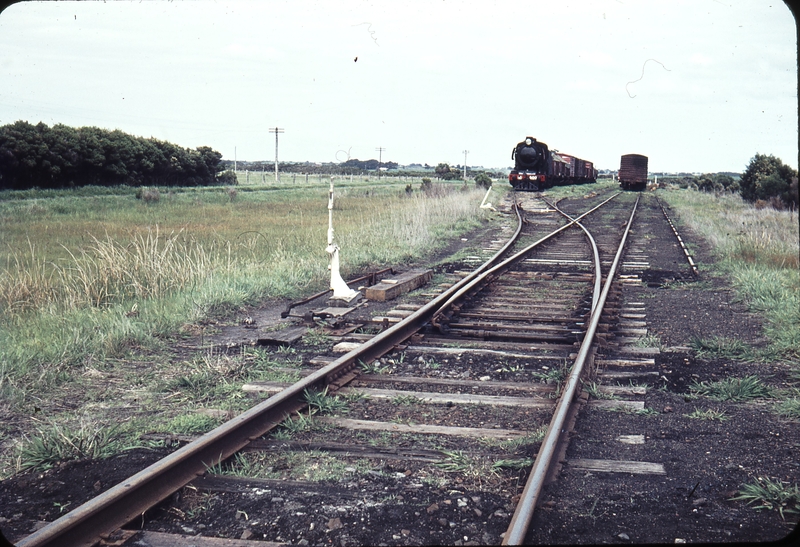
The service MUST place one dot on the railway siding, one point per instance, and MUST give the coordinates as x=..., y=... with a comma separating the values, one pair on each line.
x=668, y=472
x=431, y=443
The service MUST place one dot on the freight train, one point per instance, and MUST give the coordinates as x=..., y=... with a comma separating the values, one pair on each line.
x=537, y=167
x=633, y=172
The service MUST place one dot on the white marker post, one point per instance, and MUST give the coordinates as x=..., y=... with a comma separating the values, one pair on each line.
x=338, y=285
x=485, y=205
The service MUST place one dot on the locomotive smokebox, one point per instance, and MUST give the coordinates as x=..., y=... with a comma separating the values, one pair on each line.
x=529, y=157
x=536, y=167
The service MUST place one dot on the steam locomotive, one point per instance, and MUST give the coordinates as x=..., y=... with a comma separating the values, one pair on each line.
x=536, y=167
x=633, y=172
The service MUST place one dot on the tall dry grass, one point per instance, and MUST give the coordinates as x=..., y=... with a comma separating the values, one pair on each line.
x=108, y=271
x=740, y=231
x=71, y=295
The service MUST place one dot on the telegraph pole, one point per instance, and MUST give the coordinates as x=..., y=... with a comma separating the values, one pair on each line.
x=380, y=150
x=276, y=130
x=465, y=164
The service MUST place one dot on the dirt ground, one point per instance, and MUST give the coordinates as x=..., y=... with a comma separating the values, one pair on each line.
x=706, y=461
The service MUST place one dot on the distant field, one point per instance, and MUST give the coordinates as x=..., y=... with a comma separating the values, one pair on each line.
x=263, y=178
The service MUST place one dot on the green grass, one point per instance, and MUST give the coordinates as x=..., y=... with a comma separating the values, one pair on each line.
x=87, y=277
x=775, y=495
x=520, y=463
x=594, y=391
x=311, y=465
x=789, y=407
x=554, y=374
x=758, y=250
x=721, y=347
x=192, y=424
x=635, y=411
x=649, y=341
x=406, y=400
x=315, y=337
x=294, y=425
x=323, y=403
x=516, y=443
x=733, y=389
x=53, y=443
x=707, y=414
x=471, y=466
x=374, y=367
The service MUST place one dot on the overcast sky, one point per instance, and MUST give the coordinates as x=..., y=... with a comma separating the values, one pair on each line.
x=695, y=85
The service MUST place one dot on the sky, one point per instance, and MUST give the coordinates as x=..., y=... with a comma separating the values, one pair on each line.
x=695, y=85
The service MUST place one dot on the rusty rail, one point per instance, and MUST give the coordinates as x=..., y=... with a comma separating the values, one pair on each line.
x=86, y=525
x=481, y=278
x=515, y=534
x=695, y=272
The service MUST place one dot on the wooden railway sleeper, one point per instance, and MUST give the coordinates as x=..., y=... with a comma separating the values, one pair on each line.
x=488, y=335
x=523, y=514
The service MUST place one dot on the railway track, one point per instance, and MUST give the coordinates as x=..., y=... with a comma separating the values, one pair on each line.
x=450, y=420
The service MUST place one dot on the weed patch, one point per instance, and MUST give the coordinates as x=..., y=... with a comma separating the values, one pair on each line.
x=56, y=443
x=192, y=424
x=775, y=495
x=733, y=389
x=321, y=402
x=707, y=414
x=721, y=347
x=789, y=408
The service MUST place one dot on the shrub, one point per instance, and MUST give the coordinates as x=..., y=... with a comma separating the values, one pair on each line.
x=228, y=177
x=767, y=177
x=482, y=180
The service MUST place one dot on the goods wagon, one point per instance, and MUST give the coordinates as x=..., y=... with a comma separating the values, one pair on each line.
x=633, y=172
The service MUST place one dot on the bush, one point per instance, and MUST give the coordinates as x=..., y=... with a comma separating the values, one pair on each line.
x=767, y=177
x=228, y=177
x=151, y=195
x=482, y=180
x=716, y=183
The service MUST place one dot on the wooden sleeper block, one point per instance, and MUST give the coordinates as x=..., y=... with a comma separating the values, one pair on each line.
x=389, y=289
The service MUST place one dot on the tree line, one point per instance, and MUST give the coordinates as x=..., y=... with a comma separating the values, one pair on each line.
x=766, y=180
x=61, y=156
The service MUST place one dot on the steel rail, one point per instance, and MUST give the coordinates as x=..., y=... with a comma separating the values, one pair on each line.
x=595, y=252
x=695, y=271
x=523, y=514
x=479, y=279
x=87, y=524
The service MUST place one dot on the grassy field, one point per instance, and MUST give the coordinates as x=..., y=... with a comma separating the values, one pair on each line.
x=758, y=252
x=86, y=277
x=289, y=180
